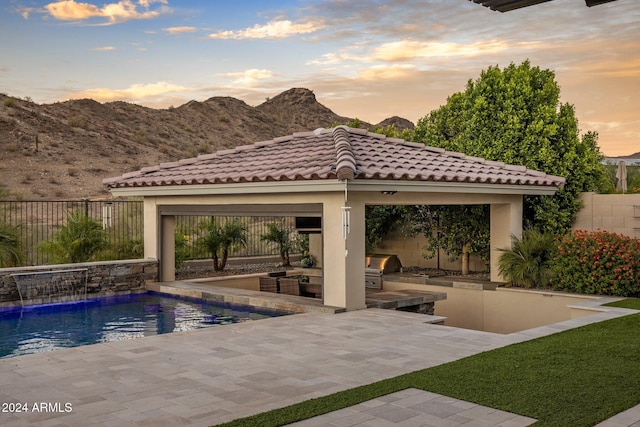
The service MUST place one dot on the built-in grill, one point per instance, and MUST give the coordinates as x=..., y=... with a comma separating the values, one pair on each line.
x=376, y=265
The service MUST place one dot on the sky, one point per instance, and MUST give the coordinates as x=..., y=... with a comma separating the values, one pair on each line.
x=370, y=59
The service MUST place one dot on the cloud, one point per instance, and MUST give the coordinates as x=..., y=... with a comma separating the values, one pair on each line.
x=124, y=10
x=411, y=49
x=249, y=77
x=133, y=93
x=378, y=72
x=277, y=29
x=105, y=48
x=174, y=31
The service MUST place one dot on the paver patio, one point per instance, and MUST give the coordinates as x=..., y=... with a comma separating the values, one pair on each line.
x=213, y=375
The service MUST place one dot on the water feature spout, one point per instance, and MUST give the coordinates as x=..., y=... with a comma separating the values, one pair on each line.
x=49, y=285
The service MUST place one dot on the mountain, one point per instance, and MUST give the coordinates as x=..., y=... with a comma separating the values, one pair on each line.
x=64, y=150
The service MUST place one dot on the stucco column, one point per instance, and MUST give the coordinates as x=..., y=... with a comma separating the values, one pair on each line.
x=506, y=220
x=168, y=248
x=343, y=260
x=151, y=229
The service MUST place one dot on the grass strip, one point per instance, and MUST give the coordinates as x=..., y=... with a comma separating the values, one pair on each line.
x=578, y=377
x=632, y=303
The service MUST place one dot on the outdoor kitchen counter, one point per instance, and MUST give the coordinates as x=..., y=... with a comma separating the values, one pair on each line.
x=406, y=299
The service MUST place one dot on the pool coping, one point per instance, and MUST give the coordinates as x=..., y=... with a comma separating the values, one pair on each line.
x=209, y=292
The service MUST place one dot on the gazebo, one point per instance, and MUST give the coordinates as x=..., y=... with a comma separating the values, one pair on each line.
x=329, y=175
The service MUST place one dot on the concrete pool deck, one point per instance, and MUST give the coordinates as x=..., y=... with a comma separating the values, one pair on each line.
x=209, y=376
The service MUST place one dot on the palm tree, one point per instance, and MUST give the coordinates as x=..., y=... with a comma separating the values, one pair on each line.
x=279, y=234
x=219, y=239
x=527, y=263
x=11, y=254
x=79, y=240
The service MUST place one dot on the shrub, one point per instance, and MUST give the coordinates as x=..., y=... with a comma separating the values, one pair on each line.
x=78, y=241
x=11, y=254
x=527, y=262
x=129, y=249
x=597, y=262
x=77, y=121
x=10, y=101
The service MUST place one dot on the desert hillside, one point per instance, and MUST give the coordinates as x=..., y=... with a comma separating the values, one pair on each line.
x=64, y=150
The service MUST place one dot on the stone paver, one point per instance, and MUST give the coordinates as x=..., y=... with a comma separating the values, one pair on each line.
x=413, y=407
x=205, y=377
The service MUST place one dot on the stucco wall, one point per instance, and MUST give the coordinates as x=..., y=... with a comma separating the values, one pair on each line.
x=504, y=310
x=103, y=278
x=249, y=282
x=410, y=250
x=618, y=213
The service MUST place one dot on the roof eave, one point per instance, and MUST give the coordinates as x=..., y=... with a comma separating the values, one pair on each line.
x=279, y=187
x=450, y=187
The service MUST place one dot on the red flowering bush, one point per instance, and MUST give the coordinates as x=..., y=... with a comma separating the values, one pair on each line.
x=597, y=262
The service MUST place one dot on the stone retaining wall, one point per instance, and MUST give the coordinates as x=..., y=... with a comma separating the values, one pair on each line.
x=103, y=278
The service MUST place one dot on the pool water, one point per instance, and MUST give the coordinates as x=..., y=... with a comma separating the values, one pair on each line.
x=34, y=329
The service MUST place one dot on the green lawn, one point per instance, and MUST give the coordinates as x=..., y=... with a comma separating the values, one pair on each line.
x=633, y=303
x=574, y=378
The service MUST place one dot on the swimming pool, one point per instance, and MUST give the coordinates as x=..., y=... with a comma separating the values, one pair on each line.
x=34, y=329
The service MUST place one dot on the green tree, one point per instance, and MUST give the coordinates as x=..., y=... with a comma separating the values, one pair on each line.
x=527, y=263
x=219, y=239
x=381, y=220
x=515, y=116
x=459, y=230
x=79, y=240
x=280, y=234
x=11, y=254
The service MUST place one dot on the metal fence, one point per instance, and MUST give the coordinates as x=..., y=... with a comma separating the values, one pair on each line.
x=123, y=221
x=38, y=221
x=191, y=228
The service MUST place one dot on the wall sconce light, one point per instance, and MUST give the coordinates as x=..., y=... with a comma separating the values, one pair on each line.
x=389, y=192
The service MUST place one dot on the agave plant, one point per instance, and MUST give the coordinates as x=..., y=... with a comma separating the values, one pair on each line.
x=527, y=262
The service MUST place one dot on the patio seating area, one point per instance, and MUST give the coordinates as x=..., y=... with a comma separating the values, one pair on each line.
x=290, y=285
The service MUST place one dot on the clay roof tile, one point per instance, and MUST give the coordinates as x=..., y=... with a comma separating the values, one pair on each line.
x=329, y=154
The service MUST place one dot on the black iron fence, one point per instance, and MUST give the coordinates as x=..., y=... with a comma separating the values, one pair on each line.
x=123, y=221
x=190, y=229
x=37, y=222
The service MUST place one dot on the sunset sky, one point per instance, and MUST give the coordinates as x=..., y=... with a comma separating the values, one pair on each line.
x=366, y=58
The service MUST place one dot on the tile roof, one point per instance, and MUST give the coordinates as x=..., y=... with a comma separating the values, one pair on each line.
x=332, y=154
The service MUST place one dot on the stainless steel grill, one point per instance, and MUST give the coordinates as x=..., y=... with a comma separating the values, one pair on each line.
x=376, y=266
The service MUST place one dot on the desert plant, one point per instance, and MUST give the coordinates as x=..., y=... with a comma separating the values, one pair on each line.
x=141, y=136
x=129, y=249
x=77, y=121
x=10, y=101
x=11, y=254
x=280, y=234
x=79, y=240
x=527, y=262
x=597, y=262
x=219, y=239
x=181, y=246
